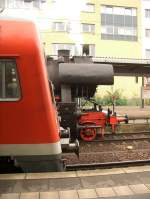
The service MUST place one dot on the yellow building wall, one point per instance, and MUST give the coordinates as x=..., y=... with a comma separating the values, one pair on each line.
x=126, y=85
x=48, y=36
x=112, y=48
x=51, y=37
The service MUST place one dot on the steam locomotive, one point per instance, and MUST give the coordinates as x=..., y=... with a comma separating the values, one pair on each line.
x=74, y=79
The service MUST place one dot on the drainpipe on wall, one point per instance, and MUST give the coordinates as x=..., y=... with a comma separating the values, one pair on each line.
x=142, y=100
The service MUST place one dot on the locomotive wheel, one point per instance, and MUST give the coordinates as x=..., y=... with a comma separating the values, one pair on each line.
x=88, y=134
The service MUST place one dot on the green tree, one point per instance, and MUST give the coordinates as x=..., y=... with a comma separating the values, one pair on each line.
x=112, y=97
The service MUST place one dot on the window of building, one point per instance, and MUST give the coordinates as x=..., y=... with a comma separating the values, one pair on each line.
x=54, y=4
x=60, y=26
x=59, y=46
x=147, y=32
x=121, y=31
x=128, y=11
x=89, y=7
x=109, y=9
x=24, y=3
x=9, y=83
x=39, y=3
x=88, y=27
x=10, y=4
x=28, y=5
x=88, y=49
x=2, y=4
x=129, y=31
x=147, y=53
x=118, y=23
x=147, y=80
x=109, y=30
x=147, y=13
x=119, y=10
x=134, y=12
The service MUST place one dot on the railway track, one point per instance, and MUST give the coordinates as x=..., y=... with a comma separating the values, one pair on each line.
x=118, y=149
x=115, y=150
x=144, y=135
x=108, y=165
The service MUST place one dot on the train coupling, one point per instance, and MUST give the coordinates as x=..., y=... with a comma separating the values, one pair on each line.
x=67, y=145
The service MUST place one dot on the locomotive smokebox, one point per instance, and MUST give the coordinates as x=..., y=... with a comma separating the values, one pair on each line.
x=86, y=73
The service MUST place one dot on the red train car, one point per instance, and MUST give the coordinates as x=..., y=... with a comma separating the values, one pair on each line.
x=29, y=131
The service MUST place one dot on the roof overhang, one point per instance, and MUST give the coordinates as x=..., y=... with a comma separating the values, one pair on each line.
x=126, y=67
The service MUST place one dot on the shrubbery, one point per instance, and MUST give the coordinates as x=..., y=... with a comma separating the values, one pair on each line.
x=112, y=97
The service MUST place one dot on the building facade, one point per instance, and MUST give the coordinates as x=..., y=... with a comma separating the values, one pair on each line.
x=21, y=4
x=26, y=9
x=145, y=28
x=94, y=27
x=99, y=28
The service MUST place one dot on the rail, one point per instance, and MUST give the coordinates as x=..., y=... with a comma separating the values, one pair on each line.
x=73, y=167
x=122, y=137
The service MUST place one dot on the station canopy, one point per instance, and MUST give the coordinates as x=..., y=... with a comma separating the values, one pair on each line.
x=125, y=66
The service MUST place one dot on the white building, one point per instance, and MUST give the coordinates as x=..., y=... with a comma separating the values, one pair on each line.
x=22, y=4
x=145, y=29
x=28, y=9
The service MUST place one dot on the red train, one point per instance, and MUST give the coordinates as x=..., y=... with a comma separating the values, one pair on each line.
x=29, y=130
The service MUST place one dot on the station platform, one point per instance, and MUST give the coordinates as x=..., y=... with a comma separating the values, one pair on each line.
x=116, y=183
x=132, y=111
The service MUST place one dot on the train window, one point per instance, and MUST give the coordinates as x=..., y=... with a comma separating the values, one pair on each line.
x=9, y=84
